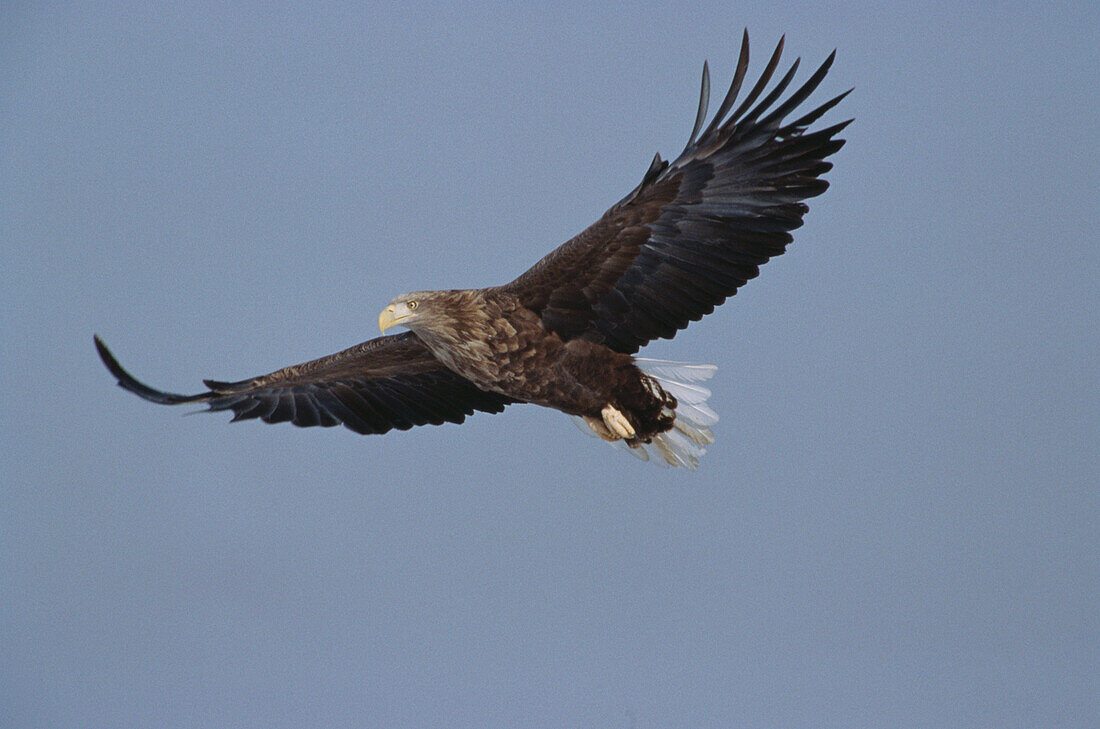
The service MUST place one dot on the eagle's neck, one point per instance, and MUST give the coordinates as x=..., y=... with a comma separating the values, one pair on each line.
x=462, y=331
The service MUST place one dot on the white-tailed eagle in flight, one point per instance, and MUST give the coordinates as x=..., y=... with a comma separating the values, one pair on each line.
x=563, y=335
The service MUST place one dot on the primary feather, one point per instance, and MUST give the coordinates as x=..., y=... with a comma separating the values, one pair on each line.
x=697, y=228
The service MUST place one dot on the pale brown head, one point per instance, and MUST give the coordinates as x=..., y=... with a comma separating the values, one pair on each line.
x=432, y=311
x=413, y=310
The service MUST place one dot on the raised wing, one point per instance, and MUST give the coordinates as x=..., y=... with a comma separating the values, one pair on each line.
x=388, y=382
x=695, y=230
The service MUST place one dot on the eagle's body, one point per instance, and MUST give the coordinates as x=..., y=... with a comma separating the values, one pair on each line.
x=490, y=338
x=563, y=334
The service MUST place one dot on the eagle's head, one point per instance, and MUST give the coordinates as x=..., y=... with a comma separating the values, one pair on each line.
x=425, y=311
x=409, y=310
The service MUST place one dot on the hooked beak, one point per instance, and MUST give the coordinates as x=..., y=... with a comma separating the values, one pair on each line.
x=387, y=318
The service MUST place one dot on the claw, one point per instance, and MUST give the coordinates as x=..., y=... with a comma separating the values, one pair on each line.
x=600, y=429
x=617, y=423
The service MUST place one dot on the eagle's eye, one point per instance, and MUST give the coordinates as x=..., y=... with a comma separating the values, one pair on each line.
x=412, y=305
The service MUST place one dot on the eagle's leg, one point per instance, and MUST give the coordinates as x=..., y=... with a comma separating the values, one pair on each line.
x=617, y=423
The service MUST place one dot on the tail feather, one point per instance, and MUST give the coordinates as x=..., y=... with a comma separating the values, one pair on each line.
x=691, y=433
x=677, y=372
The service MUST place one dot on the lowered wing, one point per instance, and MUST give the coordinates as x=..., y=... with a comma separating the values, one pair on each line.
x=697, y=229
x=373, y=387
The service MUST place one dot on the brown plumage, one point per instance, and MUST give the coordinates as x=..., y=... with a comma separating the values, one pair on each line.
x=562, y=335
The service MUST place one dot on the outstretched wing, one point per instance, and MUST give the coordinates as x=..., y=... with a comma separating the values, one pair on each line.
x=695, y=230
x=388, y=382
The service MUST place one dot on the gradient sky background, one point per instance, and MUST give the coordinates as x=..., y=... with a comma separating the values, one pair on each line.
x=898, y=525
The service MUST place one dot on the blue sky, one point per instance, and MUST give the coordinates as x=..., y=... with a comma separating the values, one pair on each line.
x=896, y=527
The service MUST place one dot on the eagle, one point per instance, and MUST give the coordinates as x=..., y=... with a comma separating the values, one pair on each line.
x=564, y=334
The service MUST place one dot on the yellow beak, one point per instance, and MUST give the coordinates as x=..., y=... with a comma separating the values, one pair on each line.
x=387, y=318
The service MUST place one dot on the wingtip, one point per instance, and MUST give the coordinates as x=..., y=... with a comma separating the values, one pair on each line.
x=841, y=126
x=128, y=382
x=108, y=359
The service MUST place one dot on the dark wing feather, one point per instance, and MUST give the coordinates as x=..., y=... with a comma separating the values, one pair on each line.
x=388, y=382
x=695, y=229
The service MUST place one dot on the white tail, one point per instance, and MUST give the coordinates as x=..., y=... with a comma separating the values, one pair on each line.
x=690, y=433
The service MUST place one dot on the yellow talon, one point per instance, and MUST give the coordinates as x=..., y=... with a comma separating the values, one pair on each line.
x=600, y=429
x=617, y=423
